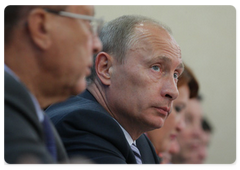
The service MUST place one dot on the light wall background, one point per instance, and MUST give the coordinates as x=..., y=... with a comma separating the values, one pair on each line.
x=207, y=37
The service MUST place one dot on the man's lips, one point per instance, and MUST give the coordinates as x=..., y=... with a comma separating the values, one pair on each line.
x=194, y=144
x=173, y=136
x=163, y=110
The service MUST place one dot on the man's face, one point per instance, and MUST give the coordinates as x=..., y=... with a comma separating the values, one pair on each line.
x=190, y=138
x=167, y=155
x=143, y=87
x=200, y=154
x=72, y=51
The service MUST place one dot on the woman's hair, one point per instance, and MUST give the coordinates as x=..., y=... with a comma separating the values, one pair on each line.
x=189, y=78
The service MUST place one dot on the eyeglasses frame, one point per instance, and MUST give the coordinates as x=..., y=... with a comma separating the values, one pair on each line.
x=95, y=28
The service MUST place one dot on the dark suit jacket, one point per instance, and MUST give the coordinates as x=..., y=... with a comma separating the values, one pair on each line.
x=24, y=138
x=87, y=129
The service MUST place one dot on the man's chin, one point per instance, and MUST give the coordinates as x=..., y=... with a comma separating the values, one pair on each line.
x=79, y=87
x=157, y=125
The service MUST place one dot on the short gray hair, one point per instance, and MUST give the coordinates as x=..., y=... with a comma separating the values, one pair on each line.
x=118, y=35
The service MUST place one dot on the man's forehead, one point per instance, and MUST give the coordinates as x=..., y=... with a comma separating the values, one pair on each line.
x=155, y=37
x=150, y=30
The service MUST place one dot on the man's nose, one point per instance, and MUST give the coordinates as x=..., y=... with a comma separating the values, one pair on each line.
x=170, y=89
x=181, y=124
x=197, y=130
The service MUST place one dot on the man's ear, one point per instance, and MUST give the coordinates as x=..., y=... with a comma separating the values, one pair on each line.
x=103, y=64
x=38, y=27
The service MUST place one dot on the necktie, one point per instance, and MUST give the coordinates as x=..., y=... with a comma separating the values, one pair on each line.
x=136, y=153
x=49, y=137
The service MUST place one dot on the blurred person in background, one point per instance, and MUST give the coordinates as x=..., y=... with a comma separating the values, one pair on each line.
x=48, y=54
x=164, y=139
x=190, y=139
x=201, y=154
x=166, y=157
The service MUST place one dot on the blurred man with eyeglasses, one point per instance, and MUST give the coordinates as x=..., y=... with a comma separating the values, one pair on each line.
x=48, y=55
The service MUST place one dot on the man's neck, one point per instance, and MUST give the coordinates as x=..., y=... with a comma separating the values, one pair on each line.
x=98, y=91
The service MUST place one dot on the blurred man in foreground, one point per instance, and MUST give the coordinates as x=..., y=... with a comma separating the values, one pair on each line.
x=48, y=54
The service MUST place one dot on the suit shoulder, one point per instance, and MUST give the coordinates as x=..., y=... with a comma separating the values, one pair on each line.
x=72, y=107
x=17, y=101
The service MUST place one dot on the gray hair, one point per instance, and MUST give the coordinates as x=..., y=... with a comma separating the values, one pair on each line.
x=118, y=36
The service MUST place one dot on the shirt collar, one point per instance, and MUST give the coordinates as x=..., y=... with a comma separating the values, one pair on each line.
x=126, y=134
x=9, y=71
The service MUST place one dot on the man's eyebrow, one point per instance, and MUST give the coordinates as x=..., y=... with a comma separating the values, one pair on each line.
x=165, y=59
x=162, y=58
x=168, y=61
x=180, y=66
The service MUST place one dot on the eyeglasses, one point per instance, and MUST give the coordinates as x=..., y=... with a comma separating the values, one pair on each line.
x=96, y=23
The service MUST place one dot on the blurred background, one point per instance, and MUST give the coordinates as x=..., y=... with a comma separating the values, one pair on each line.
x=207, y=37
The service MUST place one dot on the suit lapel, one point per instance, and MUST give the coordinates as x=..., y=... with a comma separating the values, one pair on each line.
x=147, y=151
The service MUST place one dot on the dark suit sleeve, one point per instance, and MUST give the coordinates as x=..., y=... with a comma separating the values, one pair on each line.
x=94, y=136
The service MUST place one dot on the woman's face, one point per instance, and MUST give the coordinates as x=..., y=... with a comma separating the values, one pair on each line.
x=190, y=138
x=162, y=138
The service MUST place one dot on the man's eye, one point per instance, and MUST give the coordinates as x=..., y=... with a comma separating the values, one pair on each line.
x=156, y=68
x=175, y=75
